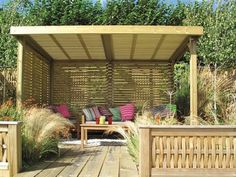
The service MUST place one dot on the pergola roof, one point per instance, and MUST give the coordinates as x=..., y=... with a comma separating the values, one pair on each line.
x=160, y=43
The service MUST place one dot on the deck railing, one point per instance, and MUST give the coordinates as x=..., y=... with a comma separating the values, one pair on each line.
x=187, y=150
x=10, y=148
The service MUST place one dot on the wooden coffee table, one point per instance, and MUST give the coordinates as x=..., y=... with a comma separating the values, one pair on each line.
x=92, y=126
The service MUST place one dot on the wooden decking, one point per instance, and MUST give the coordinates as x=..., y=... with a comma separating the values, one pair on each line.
x=99, y=161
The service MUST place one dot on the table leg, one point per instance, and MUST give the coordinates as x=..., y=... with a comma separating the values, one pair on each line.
x=82, y=137
x=86, y=136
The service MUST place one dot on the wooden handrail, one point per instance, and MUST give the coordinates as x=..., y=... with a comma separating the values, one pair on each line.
x=165, y=149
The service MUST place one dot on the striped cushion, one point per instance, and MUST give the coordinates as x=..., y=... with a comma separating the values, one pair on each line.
x=91, y=113
x=104, y=111
x=95, y=112
x=127, y=112
x=87, y=114
x=116, y=114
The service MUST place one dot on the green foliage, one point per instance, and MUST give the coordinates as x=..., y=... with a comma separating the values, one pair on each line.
x=218, y=43
x=182, y=95
x=217, y=17
x=8, y=112
x=13, y=14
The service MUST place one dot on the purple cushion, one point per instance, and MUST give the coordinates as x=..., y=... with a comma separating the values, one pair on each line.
x=95, y=112
x=127, y=112
x=63, y=110
x=104, y=111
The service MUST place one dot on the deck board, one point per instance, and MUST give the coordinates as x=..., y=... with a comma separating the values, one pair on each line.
x=94, y=161
x=78, y=163
x=127, y=166
x=111, y=163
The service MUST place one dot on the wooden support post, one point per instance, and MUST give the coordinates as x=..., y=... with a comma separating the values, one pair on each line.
x=14, y=148
x=19, y=86
x=145, y=161
x=193, y=82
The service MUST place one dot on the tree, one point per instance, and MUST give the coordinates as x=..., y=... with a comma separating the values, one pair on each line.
x=217, y=45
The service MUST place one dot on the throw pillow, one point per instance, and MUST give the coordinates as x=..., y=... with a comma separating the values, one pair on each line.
x=115, y=114
x=88, y=115
x=63, y=110
x=104, y=111
x=95, y=112
x=91, y=113
x=127, y=112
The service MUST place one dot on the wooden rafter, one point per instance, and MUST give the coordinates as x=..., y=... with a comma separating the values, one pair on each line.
x=159, y=43
x=108, y=46
x=35, y=46
x=133, y=46
x=84, y=45
x=60, y=46
x=179, y=52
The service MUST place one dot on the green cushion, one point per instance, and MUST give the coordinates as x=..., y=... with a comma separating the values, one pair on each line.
x=115, y=114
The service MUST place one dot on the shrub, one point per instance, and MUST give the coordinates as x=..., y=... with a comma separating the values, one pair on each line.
x=132, y=137
x=41, y=132
x=8, y=112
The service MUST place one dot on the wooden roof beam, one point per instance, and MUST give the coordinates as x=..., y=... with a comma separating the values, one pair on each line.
x=180, y=51
x=133, y=46
x=108, y=29
x=108, y=46
x=84, y=45
x=60, y=46
x=158, y=46
x=34, y=45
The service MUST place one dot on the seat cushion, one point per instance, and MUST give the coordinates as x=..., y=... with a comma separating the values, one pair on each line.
x=63, y=110
x=91, y=113
x=127, y=112
x=88, y=114
x=164, y=110
x=115, y=114
x=104, y=111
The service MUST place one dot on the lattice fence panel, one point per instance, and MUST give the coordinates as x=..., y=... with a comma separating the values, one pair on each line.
x=36, y=77
x=79, y=84
x=194, y=152
x=142, y=82
x=82, y=83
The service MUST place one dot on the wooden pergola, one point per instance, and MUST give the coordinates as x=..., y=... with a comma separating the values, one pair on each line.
x=102, y=64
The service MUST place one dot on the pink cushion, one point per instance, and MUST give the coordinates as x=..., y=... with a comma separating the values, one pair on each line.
x=127, y=112
x=63, y=110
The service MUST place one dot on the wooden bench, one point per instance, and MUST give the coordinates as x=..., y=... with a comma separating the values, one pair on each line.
x=91, y=125
x=187, y=151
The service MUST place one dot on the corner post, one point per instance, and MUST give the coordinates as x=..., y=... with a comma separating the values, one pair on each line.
x=14, y=148
x=19, y=86
x=193, y=82
x=145, y=160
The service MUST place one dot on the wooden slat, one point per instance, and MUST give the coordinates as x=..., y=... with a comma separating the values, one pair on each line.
x=108, y=46
x=94, y=166
x=127, y=166
x=84, y=46
x=133, y=46
x=111, y=164
x=159, y=43
x=60, y=46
